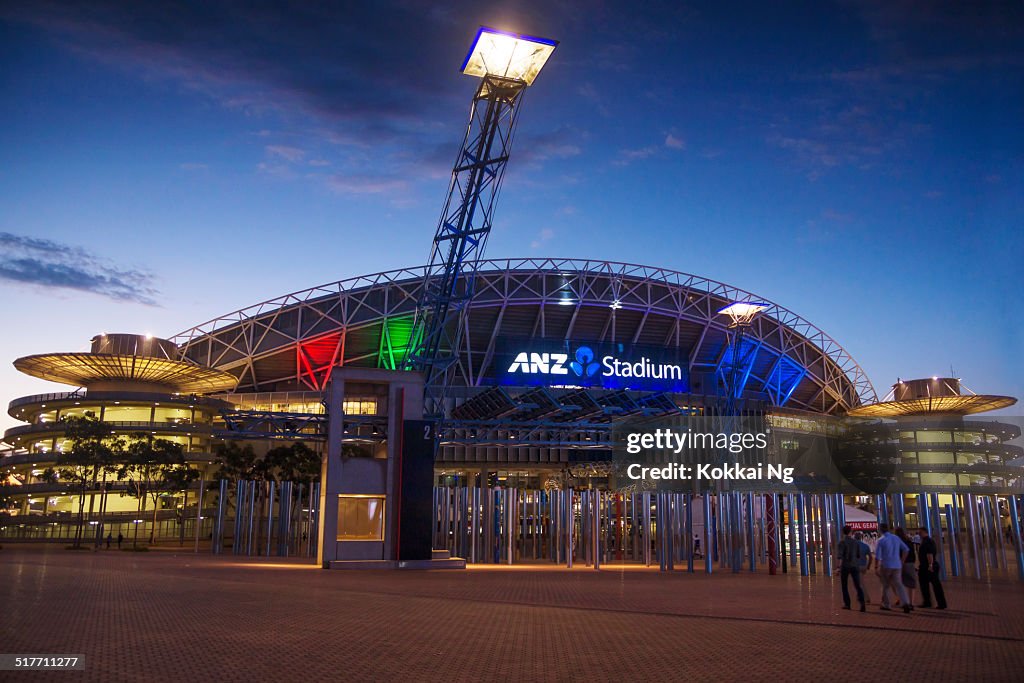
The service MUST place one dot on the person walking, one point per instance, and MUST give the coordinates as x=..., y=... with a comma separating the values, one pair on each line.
x=889, y=554
x=696, y=547
x=109, y=539
x=120, y=538
x=928, y=572
x=849, y=555
x=865, y=564
x=908, y=575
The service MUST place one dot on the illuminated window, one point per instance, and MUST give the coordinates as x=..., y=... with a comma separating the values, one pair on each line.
x=172, y=415
x=360, y=406
x=126, y=414
x=938, y=479
x=939, y=436
x=925, y=457
x=360, y=518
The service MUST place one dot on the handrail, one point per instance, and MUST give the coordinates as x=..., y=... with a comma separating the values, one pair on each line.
x=45, y=427
x=81, y=395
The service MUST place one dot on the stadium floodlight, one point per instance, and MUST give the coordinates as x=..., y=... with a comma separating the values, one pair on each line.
x=742, y=313
x=506, y=64
x=507, y=55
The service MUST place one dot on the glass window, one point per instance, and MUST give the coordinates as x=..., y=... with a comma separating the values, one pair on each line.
x=938, y=479
x=930, y=436
x=360, y=406
x=360, y=518
x=172, y=415
x=126, y=414
x=926, y=457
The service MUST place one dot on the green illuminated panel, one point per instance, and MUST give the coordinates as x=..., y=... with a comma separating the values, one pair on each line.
x=396, y=333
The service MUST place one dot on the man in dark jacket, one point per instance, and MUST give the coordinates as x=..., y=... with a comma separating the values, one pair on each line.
x=928, y=572
x=850, y=556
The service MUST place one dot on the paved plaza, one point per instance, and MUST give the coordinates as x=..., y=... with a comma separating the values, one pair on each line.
x=182, y=617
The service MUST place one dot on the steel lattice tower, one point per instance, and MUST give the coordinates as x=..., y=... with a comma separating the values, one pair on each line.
x=508, y=64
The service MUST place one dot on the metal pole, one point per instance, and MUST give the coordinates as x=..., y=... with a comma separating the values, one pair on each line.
x=827, y=551
x=954, y=556
x=997, y=521
x=958, y=541
x=989, y=532
x=240, y=490
x=689, y=532
x=751, y=550
x=269, y=488
x=935, y=530
x=645, y=532
x=218, y=522
x=199, y=512
x=708, y=560
x=1013, y=502
x=972, y=531
x=569, y=527
x=802, y=534
x=252, y=519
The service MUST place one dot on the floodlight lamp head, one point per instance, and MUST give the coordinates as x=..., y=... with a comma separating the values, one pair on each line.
x=742, y=313
x=507, y=55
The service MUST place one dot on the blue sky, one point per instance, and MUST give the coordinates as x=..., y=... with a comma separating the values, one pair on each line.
x=858, y=162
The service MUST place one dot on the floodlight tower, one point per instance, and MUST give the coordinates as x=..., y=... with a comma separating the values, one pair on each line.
x=741, y=316
x=507, y=63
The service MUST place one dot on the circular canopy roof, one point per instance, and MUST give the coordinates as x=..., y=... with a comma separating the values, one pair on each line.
x=83, y=369
x=927, y=405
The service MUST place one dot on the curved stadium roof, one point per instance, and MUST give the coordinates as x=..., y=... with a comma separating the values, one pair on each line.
x=291, y=342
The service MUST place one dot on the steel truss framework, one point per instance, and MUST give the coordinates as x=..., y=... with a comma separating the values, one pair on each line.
x=293, y=341
x=461, y=235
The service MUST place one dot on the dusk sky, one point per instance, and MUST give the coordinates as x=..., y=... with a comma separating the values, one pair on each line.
x=860, y=163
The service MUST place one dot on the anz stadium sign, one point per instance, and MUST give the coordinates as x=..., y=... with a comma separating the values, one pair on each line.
x=589, y=364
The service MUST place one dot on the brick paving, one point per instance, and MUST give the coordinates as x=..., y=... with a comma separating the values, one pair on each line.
x=165, y=616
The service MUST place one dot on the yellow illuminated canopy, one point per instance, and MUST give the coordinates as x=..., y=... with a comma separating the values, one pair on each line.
x=951, y=405
x=508, y=55
x=83, y=369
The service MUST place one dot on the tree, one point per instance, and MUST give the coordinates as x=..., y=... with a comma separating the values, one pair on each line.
x=92, y=450
x=153, y=467
x=239, y=462
x=297, y=463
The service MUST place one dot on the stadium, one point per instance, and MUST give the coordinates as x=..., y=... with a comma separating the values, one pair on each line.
x=518, y=372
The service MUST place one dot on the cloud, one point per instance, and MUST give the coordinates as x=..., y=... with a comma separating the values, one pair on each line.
x=285, y=152
x=559, y=143
x=542, y=238
x=628, y=156
x=45, y=263
x=365, y=184
x=672, y=142
x=836, y=216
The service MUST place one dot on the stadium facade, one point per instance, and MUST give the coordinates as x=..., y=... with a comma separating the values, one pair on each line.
x=554, y=353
